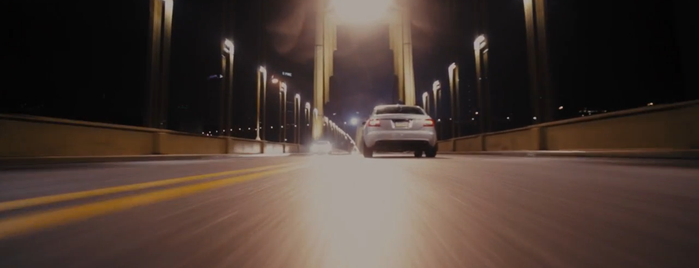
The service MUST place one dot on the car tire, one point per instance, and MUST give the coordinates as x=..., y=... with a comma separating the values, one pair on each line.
x=418, y=154
x=432, y=152
x=368, y=152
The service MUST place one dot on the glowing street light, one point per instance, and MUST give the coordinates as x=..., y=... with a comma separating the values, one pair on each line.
x=228, y=46
x=479, y=43
x=354, y=121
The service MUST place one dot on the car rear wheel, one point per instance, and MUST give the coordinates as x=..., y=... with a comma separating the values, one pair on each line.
x=418, y=154
x=432, y=152
x=368, y=152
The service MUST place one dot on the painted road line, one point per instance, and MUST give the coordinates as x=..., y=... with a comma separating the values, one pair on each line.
x=17, y=204
x=42, y=220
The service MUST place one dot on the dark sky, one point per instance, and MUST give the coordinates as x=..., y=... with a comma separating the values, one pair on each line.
x=88, y=62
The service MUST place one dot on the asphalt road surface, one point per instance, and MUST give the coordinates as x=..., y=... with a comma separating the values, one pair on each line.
x=346, y=211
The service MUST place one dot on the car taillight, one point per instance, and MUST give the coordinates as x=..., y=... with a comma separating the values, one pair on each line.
x=429, y=123
x=374, y=123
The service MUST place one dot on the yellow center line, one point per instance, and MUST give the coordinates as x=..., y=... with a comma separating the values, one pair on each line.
x=10, y=205
x=41, y=220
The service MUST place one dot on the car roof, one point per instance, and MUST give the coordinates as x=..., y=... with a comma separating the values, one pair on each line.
x=394, y=105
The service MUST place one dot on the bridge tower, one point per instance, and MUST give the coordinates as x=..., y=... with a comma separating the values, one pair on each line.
x=397, y=17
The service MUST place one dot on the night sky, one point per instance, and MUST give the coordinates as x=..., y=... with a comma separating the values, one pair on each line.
x=88, y=62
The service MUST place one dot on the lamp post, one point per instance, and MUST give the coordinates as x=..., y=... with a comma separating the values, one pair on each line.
x=282, y=113
x=436, y=89
x=307, y=118
x=225, y=103
x=160, y=29
x=426, y=102
x=480, y=46
x=307, y=113
x=261, y=88
x=297, y=114
x=454, y=90
x=542, y=94
x=230, y=49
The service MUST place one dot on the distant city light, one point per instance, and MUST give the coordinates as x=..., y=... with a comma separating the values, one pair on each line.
x=560, y=108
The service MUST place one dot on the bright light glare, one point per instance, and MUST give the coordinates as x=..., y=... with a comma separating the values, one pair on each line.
x=479, y=43
x=228, y=45
x=354, y=121
x=360, y=11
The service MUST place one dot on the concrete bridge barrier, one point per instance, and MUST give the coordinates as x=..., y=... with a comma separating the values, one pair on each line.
x=23, y=136
x=661, y=127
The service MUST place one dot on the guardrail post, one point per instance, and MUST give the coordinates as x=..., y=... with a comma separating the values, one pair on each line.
x=157, y=142
x=481, y=138
x=539, y=138
x=229, y=142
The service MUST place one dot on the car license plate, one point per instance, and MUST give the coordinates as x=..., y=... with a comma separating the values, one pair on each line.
x=403, y=124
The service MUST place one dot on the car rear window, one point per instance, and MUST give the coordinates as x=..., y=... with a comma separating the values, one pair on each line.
x=399, y=110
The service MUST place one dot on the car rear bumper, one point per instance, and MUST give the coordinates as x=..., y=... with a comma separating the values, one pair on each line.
x=401, y=146
x=400, y=140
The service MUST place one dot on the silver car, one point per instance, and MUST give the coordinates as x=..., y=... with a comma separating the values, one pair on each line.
x=399, y=128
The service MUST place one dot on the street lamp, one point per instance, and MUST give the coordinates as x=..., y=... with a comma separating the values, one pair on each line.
x=454, y=90
x=436, y=89
x=542, y=94
x=354, y=121
x=226, y=102
x=261, y=88
x=426, y=102
x=307, y=112
x=282, y=108
x=160, y=31
x=297, y=114
x=480, y=47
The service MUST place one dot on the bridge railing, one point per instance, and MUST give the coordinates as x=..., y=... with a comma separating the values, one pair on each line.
x=659, y=127
x=33, y=136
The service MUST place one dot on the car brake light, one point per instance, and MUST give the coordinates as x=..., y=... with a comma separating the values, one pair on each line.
x=374, y=123
x=429, y=123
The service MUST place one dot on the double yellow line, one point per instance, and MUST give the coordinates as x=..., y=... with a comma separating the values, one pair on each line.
x=45, y=219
